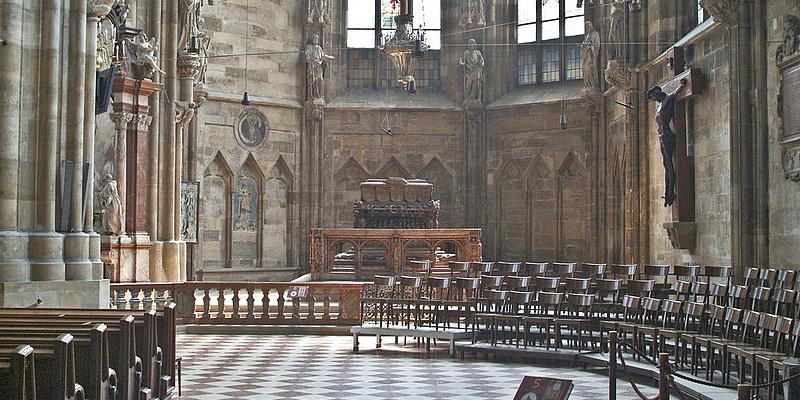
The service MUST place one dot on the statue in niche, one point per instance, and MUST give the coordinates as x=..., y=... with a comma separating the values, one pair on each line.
x=245, y=205
x=318, y=11
x=111, y=206
x=473, y=13
x=315, y=62
x=616, y=30
x=665, y=111
x=189, y=194
x=590, y=54
x=184, y=113
x=791, y=38
x=473, y=64
x=141, y=61
x=189, y=22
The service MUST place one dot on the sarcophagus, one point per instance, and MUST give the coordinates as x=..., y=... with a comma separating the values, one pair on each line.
x=396, y=203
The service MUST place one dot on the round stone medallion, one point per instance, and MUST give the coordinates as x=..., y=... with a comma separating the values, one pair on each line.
x=252, y=128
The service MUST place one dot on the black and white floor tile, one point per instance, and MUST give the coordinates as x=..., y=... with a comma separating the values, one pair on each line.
x=324, y=367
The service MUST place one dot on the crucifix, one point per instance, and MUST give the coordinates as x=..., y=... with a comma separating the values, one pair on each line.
x=673, y=100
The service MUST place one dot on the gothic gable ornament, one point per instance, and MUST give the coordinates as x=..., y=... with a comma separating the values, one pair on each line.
x=787, y=59
x=252, y=128
x=473, y=13
x=723, y=11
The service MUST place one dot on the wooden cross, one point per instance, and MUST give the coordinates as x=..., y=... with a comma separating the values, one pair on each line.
x=683, y=208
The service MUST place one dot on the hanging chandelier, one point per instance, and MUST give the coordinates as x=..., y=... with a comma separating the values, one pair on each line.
x=405, y=46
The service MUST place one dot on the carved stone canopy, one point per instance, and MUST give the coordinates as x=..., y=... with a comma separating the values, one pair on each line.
x=99, y=8
x=617, y=75
x=723, y=11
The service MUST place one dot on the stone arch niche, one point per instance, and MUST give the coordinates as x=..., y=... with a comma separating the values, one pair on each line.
x=437, y=174
x=393, y=169
x=617, y=211
x=278, y=217
x=511, y=211
x=214, y=215
x=542, y=211
x=346, y=190
x=247, y=221
x=573, y=206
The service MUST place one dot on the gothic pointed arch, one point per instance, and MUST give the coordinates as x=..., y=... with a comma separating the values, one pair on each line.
x=393, y=169
x=279, y=217
x=214, y=215
x=512, y=213
x=541, y=226
x=346, y=190
x=437, y=173
x=247, y=215
x=573, y=206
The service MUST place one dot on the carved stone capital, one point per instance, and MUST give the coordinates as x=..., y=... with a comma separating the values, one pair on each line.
x=122, y=119
x=188, y=66
x=143, y=122
x=723, y=11
x=98, y=8
x=200, y=94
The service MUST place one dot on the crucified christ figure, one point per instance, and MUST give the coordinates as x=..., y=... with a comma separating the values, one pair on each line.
x=665, y=111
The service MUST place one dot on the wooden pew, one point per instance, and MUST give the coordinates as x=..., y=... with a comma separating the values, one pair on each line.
x=17, y=380
x=90, y=347
x=155, y=340
x=54, y=369
x=121, y=346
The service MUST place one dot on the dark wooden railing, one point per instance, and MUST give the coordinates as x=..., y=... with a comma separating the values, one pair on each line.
x=246, y=303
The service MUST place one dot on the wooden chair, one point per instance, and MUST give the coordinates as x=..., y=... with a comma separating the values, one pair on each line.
x=420, y=267
x=533, y=269
x=780, y=348
x=786, y=303
x=562, y=270
x=624, y=271
x=737, y=296
x=576, y=317
x=690, y=272
x=660, y=274
x=431, y=310
x=404, y=304
x=491, y=282
x=607, y=295
x=518, y=306
x=715, y=329
x=464, y=301
x=776, y=364
x=785, y=279
x=489, y=307
x=718, y=293
x=577, y=285
x=517, y=283
x=478, y=268
x=670, y=331
x=721, y=273
x=650, y=324
x=698, y=291
x=631, y=316
x=730, y=333
x=459, y=268
x=592, y=271
x=640, y=288
x=545, y=309
x=759, y=298
x=376, y=298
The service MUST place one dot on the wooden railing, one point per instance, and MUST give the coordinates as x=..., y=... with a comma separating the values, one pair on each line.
x=246, y=303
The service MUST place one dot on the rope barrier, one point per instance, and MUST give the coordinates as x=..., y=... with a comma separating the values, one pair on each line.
x=639, y=393
x=639, y=353
x=698, y=381
x=784, y=380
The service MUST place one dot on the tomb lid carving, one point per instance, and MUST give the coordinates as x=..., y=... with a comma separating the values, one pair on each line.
x=396, y=203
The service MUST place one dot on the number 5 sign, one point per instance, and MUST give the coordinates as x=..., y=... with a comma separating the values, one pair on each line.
x=537, y=388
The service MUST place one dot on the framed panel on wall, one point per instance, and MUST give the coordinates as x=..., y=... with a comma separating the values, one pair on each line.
x=190, y=192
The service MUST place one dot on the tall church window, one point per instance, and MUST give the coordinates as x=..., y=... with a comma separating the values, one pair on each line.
x=549, y=33
x=370, y=22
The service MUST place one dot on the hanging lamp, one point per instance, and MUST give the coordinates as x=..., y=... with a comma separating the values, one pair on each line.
x=405, y=46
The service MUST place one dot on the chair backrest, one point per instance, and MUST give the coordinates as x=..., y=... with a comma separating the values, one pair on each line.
x=641, y=288
x=517, y=282
x=410, y=286
x=546, y=283
x=672, y=313
x=438, y=288
x=767, y=277
x=719, y=292
x=592, y=270
x=737, y=295
x=489, y=282
x=651, y=308
x=519, y=299
x=716, y=319
x=549, y=298
x=624, y=271
x=699, y=290
x=733, y=316
x=750, y=276
x=759, y=297
x=786, y=278
x=533, y=269
x=687, y=271
x=381, y=280
x=481, y=268
x=681, y=289
x=750, y=326
x=506, y=268
x=631, y=307
x=606, y=287
x=656, y=272
x=693, y=316
x=783, y=334
x=785, y=303
x=563, y=269
x=467, y=288
x=493, y=300
x=577, y=285
x=580, y=305
x=723, y=273
x=459, y=268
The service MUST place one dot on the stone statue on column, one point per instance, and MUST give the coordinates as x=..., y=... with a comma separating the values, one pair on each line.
x=318, y=11
x=473, y=13
x=112, y=207
x=617, y=75
x=188, y=22
x=615, y=23
x=473, y=63
x=590, y=55
x=315, y=60
x=142, y=60
x=184, y=113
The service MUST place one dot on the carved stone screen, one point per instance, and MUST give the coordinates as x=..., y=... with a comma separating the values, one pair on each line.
x=189, y=196
x=790, y=104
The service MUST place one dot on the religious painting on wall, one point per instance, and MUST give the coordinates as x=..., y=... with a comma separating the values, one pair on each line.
x=788, y=61
x=245, y=204
x=252, y=128
x=189, y=201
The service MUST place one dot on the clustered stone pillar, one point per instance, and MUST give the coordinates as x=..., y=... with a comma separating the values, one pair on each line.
x=188, y=68
x=171, y=249
x=46, y=247
x=156, y=270
x=13, y=268
x=121, y=120
x=76, y=242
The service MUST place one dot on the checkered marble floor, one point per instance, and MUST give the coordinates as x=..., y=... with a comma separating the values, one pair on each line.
x=324, y=367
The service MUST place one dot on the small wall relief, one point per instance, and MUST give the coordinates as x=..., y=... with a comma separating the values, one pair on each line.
x=245, y=204
x=252, y=128
x=189, y=195
x=787, y=59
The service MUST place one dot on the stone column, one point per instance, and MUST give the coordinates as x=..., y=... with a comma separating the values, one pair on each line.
x=45, y=246
x=475, y=165
x=156, y=270
x=121, y=120
x=97, y=9
x=171, y=248
x=188, y=68
x=12, y=244
x=76, y=243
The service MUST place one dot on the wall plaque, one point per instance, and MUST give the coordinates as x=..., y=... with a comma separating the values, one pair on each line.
x=189, y=194
x=790, y=101
x=788, y=61
x=252, y=128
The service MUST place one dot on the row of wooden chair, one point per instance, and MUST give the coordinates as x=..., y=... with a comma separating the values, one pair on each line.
x=92, y=354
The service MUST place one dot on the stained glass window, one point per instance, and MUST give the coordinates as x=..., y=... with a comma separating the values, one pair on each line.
x=361, y=68
x=548, y=31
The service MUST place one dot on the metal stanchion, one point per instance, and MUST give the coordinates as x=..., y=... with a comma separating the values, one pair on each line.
x=612, y=365
x=663, y=376
x=744, y=392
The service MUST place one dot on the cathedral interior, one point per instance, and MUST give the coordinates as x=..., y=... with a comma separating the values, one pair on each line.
x=213, y=186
